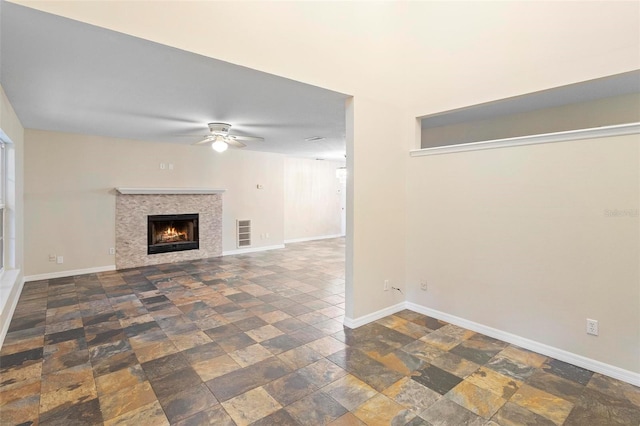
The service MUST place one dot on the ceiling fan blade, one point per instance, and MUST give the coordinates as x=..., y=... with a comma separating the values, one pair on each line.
x=235, y=143
x=246, y=138
x=204, y=141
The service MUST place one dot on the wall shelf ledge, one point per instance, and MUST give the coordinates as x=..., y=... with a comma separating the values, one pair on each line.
x=592, y=133
x=174, y=191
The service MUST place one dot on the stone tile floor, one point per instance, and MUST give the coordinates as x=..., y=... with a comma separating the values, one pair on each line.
x=258, y=339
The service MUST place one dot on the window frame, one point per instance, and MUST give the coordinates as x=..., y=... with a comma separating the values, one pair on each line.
x=3, y=187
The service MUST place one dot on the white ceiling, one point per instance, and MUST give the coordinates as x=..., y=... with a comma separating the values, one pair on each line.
x=68, y=76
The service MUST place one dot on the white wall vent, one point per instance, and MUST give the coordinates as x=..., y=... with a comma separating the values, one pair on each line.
x=244, y=233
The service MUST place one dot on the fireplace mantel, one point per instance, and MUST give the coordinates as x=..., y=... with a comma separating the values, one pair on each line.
x=174, y=191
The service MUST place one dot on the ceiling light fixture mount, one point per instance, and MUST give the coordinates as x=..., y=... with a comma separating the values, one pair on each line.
x=219, y=128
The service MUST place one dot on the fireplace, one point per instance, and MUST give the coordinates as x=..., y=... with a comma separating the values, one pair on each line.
x=167, y=233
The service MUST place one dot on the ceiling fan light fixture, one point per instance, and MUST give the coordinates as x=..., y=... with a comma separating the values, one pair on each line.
x=219, y=145
x=219, y=138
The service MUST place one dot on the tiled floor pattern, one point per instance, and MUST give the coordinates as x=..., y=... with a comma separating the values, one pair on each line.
x=258, y=339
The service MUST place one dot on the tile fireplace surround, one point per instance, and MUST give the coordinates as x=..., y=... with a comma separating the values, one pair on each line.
x=133, y=205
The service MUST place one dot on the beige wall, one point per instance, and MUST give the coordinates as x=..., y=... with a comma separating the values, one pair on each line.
x=70, y=197
x=424, y=58
x=583, y=115
x=311, y=198
x=376, y=200
x=519, y=239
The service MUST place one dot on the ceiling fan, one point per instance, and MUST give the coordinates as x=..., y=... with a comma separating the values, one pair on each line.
x=220, y=139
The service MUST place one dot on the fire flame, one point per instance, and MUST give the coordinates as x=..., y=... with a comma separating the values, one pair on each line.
x=170, y=234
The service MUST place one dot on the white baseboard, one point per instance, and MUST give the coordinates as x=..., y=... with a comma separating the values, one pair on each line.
x=69, y=273
x=11, y=284
x=532, y=345
x=358, y=322
x=252, y=249
x=322, y=237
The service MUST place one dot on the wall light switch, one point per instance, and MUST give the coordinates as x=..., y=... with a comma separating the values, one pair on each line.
x=60, y=259
x=170, y=166
x=162, y=166
x=112, y=251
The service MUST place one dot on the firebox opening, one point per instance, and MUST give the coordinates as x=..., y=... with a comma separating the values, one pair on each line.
x=167, y=233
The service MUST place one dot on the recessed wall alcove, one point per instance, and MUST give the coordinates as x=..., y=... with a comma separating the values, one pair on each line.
x=604, y=103
x=135, y=205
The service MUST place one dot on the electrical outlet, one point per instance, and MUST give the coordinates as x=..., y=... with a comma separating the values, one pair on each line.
x=52, y=258
x=592, y=327
x=423, y=285
x=386, y=285
x=112, y=250
x=59, y=259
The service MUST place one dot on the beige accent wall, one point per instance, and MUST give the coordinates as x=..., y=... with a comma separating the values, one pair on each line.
x=312, y=198
x=70, y=196
x=583, y=115
x=425, y=58
x=524, y=240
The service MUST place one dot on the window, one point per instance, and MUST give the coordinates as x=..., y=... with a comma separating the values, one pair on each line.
x=3, y=180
